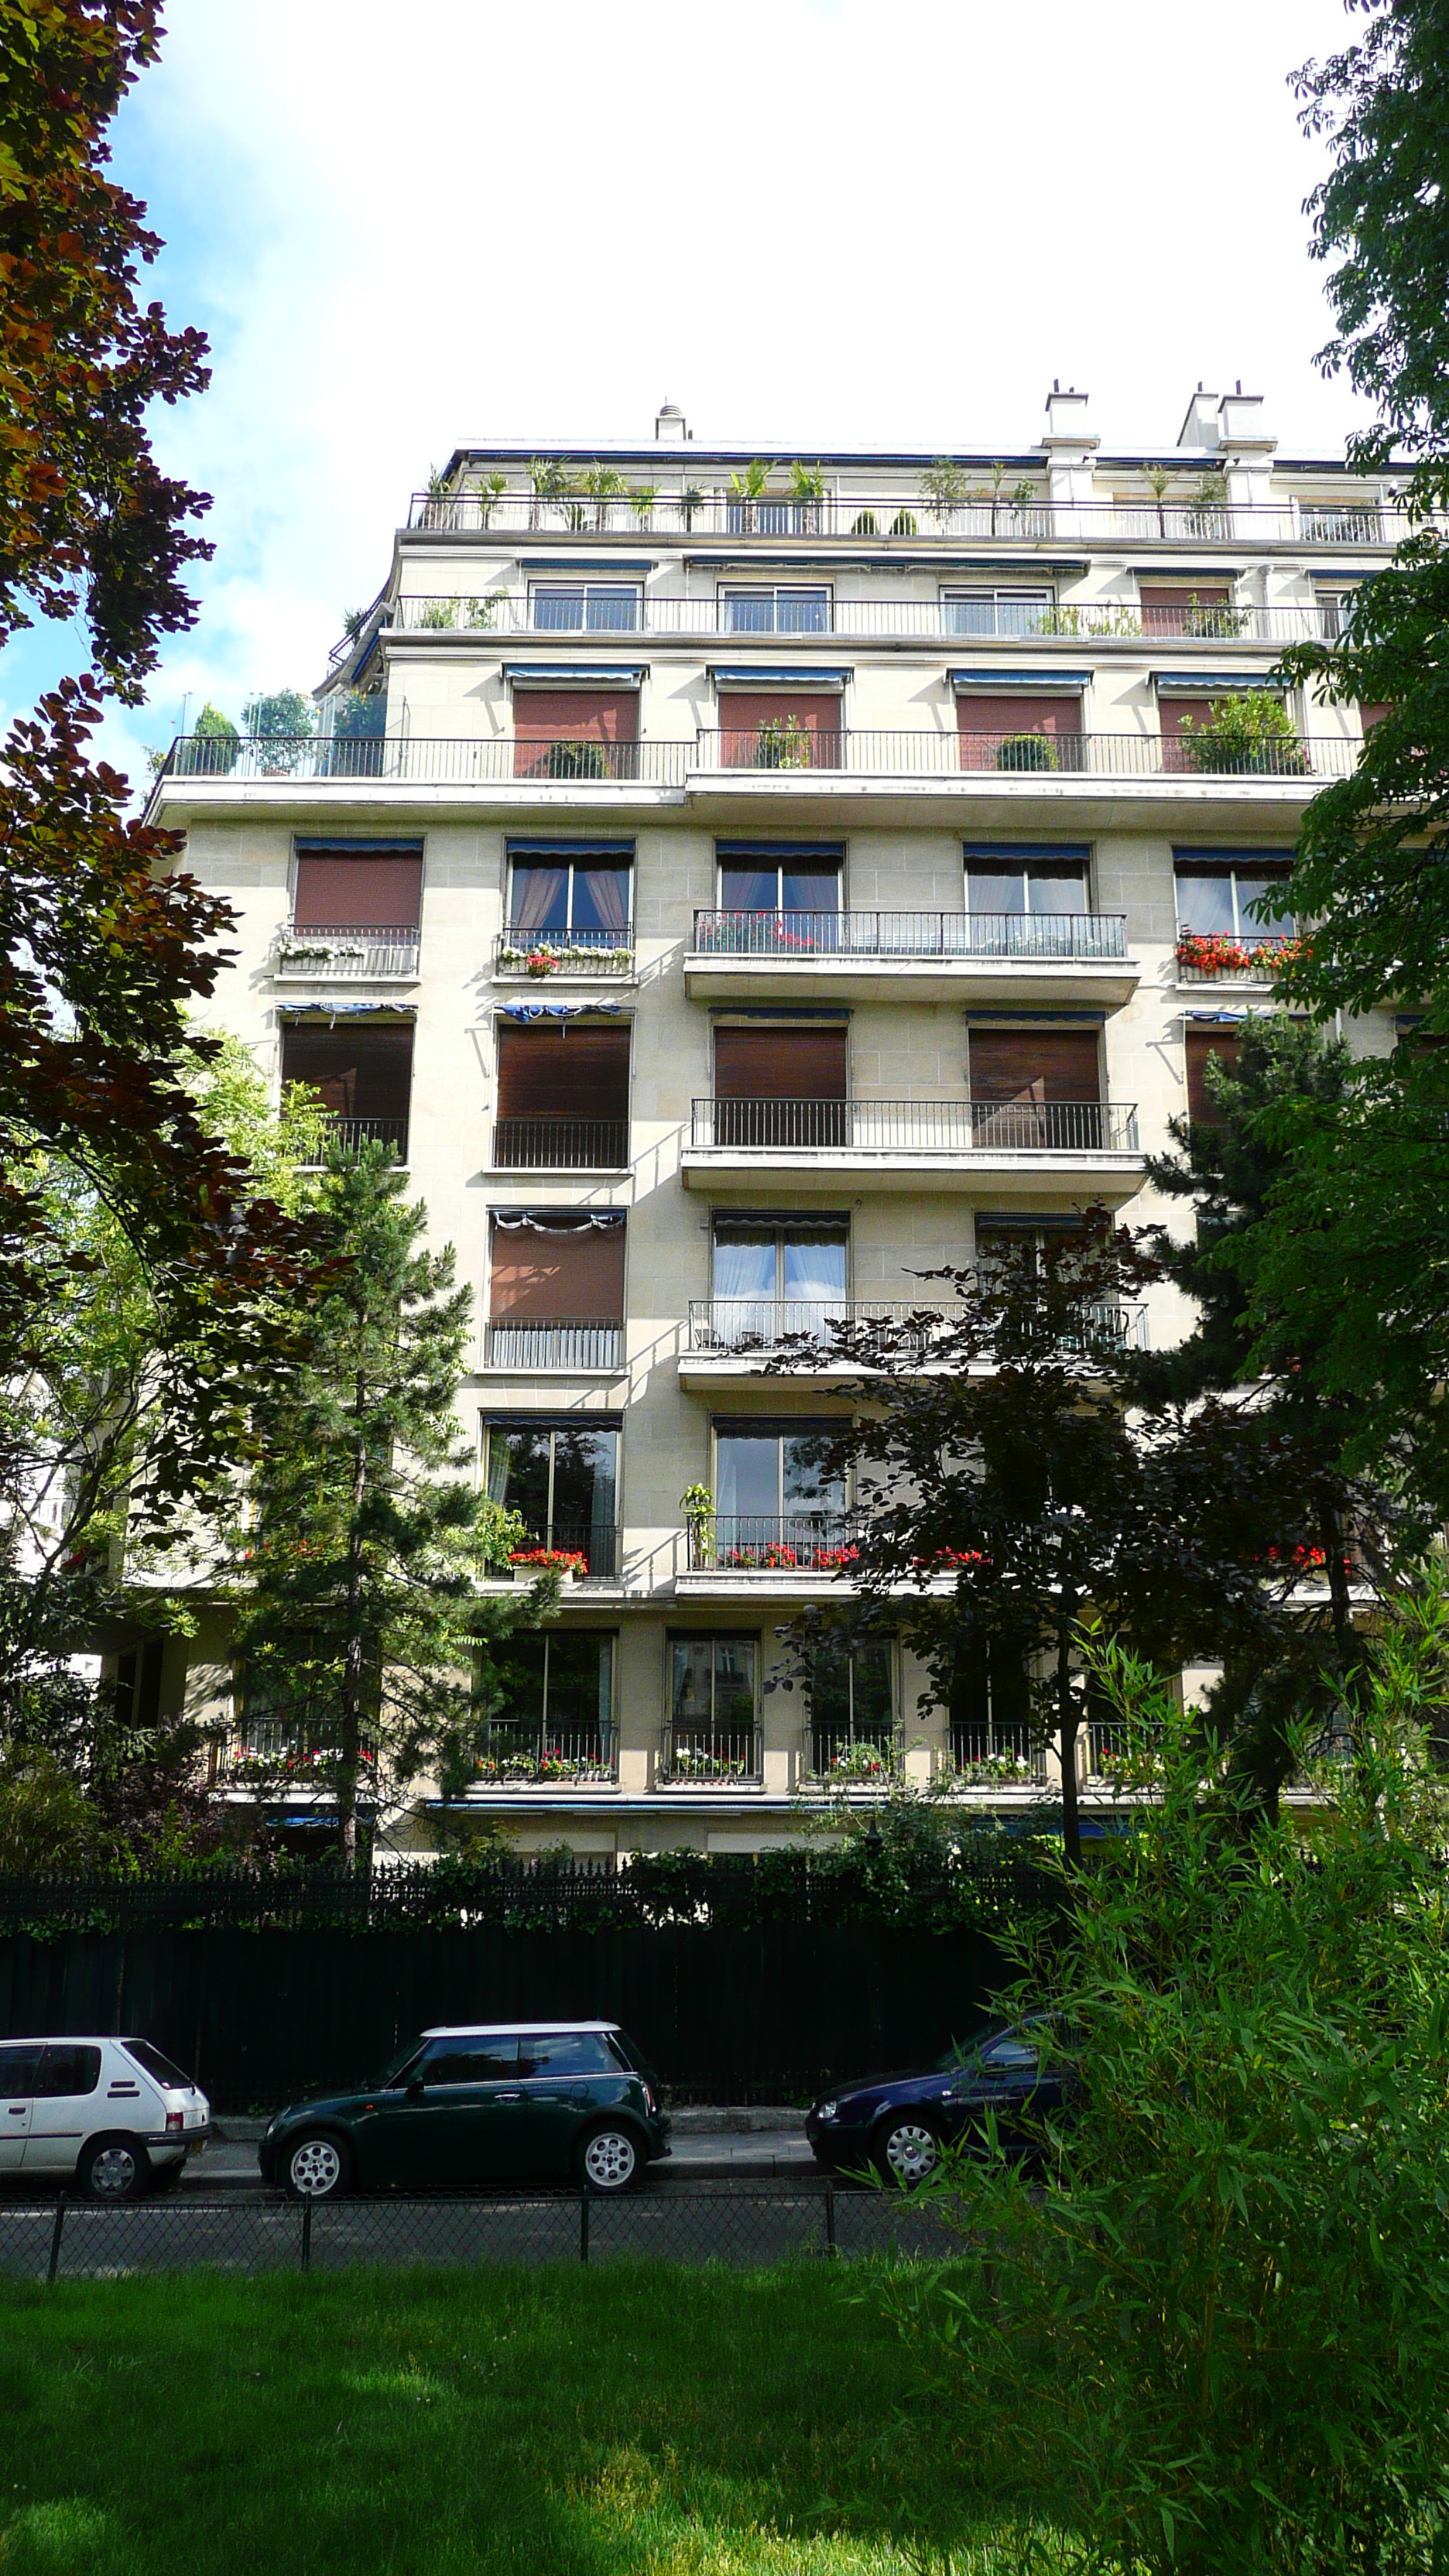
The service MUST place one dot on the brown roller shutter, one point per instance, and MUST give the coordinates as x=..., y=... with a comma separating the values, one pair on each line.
x=746, y=714
x=337, y=891
x=1172, y=714
x=1202, y=1043
x=552, y=1277
x=1167, y=605
x=984, y=722
x=576, y=715
x=360, y=1073
x=780, y=1064
x=1034, y=1064
x=575, y=1071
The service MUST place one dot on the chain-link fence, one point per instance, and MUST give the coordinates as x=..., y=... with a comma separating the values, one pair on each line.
x=68, y=2240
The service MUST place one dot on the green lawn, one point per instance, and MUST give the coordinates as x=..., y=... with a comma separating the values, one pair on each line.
x=674, y=2423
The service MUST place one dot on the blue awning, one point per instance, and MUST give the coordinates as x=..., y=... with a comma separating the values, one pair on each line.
x=969, y=677
x=562, y=675
x=600, y=568
x=778, y=675
x=1211, y=684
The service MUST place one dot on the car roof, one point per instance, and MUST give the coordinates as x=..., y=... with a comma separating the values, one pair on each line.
x=510, y=2029
x=64, y=2039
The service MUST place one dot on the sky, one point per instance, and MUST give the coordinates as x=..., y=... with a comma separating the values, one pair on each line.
x=810, y=222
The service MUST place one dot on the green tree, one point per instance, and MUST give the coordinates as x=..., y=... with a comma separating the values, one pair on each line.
x=1007, y=1488
x=359, y=1619
x=1205, y=2332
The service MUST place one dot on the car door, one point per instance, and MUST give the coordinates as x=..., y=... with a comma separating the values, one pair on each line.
x=565, y=2077
x=66, y=2110
x=439, y=2128
x=19, y=2073
x=1004, y=2079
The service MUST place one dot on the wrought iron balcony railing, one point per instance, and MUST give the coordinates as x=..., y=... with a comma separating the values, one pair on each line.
x=365, y=954
x=907, y=1127
x=525, y=1757
x=561, y=1144
x=418, y=761
x=904, y=518
x=992, y=1756
x=1078, y=936
x=700, y=1756
x=829, y=617
x=537, y=954
x=587, y=1342
x=755, y=1327
x=599, y=1544
x=351, y=1134
x=805, y=1541
x=845, y=1755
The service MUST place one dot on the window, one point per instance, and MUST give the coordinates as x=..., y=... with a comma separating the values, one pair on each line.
x=780, y=1086
x=561, y=1476
x=778, y=1504
x=575, y=733
x=776, y=611
x=1218, y=893
x=1020, y=880
x=1200, y=1045
x=798, y=1259
x=584, y=607
x=997, y=611
x=556, y=1289
x=462, y=2058
x=990, y=1711
x=363, y=1073
x=581, y=889
x=1026, y=730
x=558, y=1713
x=999, y=1237
x=779, y=876
x=1035, y=1064
x=358, y=885
x=19, y=2071
x=780, y=728
x=1333, y=608
x=569, y=2052
x=69, y=2069
x=563, y=1096
x=852, y=1710
x=712, y=1683
x=164, y=2069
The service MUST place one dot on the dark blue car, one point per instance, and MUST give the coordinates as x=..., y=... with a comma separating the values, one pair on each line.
x=898, y=2124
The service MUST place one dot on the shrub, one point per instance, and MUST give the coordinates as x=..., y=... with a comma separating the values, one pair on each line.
x=1251, y=732
x=1026, y=751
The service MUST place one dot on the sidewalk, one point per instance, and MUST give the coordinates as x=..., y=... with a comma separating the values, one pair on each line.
x=774, y=2146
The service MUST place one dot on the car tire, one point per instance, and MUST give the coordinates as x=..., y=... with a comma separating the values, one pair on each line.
x=608, y=2159
x=905, y=2150
x=113, y=2170
x=317, y=2166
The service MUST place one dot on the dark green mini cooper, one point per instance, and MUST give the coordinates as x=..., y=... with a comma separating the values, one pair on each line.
x=472, y=2109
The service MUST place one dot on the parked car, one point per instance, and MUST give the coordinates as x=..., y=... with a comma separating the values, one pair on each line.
x=898, y=2124
x=112, y=2114
x=473, y=2107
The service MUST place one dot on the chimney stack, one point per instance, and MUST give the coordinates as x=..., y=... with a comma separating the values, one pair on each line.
x=669, y=423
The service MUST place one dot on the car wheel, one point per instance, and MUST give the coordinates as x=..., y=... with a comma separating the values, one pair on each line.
x=113, y=2170
x=608, y=2160
x=906, y=2151
x=318, y=2167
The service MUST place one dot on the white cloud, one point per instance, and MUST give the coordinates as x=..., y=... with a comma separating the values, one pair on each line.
x=812, y=220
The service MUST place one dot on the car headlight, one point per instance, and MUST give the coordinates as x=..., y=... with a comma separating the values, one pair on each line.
x=827, y=2110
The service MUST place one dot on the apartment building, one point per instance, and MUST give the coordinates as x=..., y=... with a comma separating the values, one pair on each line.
x=736, y=883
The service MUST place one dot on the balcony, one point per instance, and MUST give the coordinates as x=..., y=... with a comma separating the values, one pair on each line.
x=712, y=620
x=349, y=1135
x=802, y=1542
x=561, y=1145
x=1034, y=762
x=577, y=1344
x=987, y=1756
x=364, y=955
x=574, y=956
x=906, y=1144
x=912, y=956
x=526, y=1757
x=706, y=1757
x=1212, y=957
x=453, y=761
x=901, y=520
x=730, y=1339
x=841, y=1757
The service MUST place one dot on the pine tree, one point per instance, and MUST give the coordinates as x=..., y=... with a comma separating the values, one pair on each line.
x=359, y=1611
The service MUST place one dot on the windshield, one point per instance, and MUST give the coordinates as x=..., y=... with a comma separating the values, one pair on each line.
x=961, y=2051
x=399, y=2067
x=162, y=2069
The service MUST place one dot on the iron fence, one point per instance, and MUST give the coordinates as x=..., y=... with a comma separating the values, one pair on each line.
x=560, y=1144
x=853, y=1756
x=905, y=517
x=909, y=1127
x=575, y=1342
x=945, y=620
x=1078, y=936
x=353, y=955
x=66, y=2240
x=988, y=1754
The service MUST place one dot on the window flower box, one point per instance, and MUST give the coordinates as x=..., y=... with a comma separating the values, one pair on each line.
x=570, y=1562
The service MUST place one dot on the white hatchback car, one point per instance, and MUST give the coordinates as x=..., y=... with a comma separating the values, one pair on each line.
x=113, y=2115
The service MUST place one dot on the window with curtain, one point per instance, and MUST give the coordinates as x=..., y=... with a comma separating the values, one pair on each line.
x=777, y=1502
x=1220, y=891
x=581, y=889
x=1026, y=878
x=560, y=1473
x=764, y=1264
x=779, y=876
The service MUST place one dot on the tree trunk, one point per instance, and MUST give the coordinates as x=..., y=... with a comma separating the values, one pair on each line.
x=1067, y=1733
x=1331, y=1539
x=350, y=1750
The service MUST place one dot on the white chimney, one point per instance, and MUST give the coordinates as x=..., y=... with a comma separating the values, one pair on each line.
x=1066, y=418
x=669, y=422
x=1200, y=427
x=1243, y=425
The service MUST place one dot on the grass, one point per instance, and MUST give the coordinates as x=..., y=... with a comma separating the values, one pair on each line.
x=635, y=2421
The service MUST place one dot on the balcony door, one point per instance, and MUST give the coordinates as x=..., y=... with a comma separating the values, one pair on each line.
x=362, y=1075
x=1026, y=731
x=785, y=1087
x=560, y=1473
x=1187, y=608
x=1036, y=1088
x=575, y=733
x=780, y=729
x=1022, y=901
x=777, y=1277
x=778, y=1504
x=556, y=1289
x=563, y=1096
